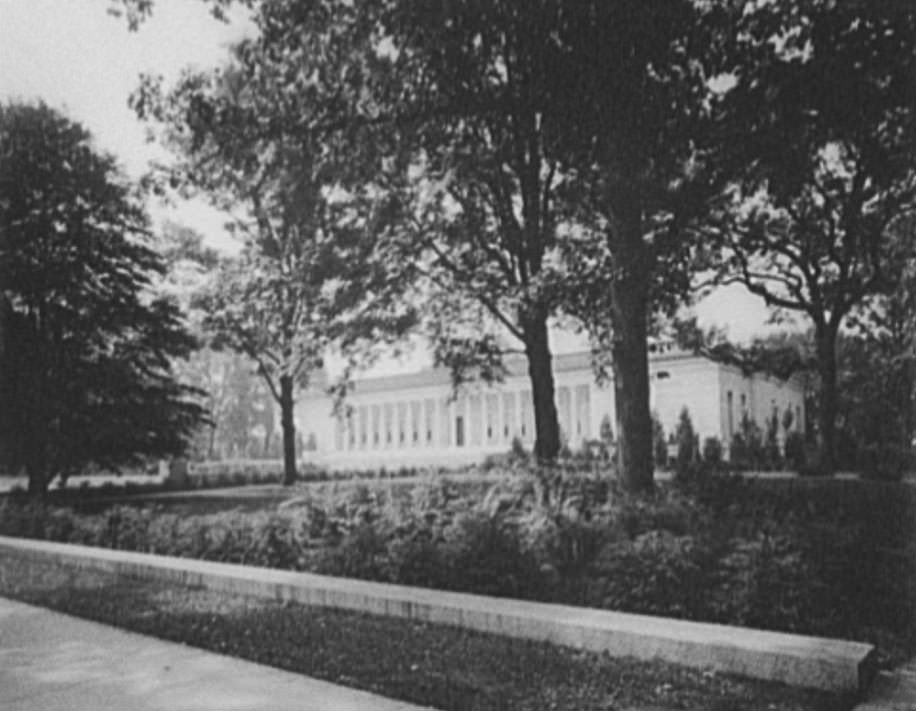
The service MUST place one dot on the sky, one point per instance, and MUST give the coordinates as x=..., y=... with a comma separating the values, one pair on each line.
x=80, y=60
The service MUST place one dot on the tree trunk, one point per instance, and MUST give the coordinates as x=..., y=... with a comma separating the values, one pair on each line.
x=540, y=370
x=288, y=425
x=629, y=320
x=827, y=369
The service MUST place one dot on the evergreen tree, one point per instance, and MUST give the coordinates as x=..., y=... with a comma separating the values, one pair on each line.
x=88, y=345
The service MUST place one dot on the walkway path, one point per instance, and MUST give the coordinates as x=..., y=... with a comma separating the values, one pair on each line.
x=53, y=662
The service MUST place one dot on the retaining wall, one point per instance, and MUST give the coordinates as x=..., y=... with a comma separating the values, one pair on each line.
x=812, y=662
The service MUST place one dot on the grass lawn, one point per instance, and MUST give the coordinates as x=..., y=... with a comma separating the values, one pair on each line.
x=439, y=666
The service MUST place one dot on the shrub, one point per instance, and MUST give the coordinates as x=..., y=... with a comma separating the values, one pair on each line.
x=766, y=581
x=362, y=553
x=884, y=462
x=738, y=452
x=657, y=573
x=606, y=431
x=795, y=449
x=812, y=462
x=517, y=450
x=772, y=456
x=417, y=558
x=486, y=554
x=687, y=454
x=670, y=511
x=747, y=450
x=712, y=452
x=834, y=559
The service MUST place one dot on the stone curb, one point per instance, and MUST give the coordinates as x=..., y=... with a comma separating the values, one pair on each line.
x=812, y=662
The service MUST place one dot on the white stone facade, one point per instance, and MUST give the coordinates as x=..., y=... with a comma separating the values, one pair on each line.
x=417, y=420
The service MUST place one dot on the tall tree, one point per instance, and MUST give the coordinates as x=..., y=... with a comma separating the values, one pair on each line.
x=507, y=110
x=484, y=229
x=824, y=117
x=633, y=88
x=256, y=309
x=531, y=130
x=311, y=273
x=88, y=344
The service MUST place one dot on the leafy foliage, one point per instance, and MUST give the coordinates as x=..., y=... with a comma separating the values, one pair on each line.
x=310, y=275
x=561, y=158
x=823, y=103
x=88, y=345
x=817, y=556
x=687, y=446
x=712, y=452
x=795, y=450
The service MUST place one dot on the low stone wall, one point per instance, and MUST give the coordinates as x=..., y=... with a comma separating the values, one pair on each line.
x=798, y=660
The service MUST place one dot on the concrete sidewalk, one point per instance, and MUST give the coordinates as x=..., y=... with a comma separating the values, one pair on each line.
x=54, y=662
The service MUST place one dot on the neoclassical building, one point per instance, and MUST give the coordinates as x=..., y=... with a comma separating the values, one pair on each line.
x=417, y=420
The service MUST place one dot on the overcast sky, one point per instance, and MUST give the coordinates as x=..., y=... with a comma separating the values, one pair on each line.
x=78, y=59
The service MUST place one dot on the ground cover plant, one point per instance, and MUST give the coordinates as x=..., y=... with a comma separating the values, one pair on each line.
x=444, y=667
x=824, y=557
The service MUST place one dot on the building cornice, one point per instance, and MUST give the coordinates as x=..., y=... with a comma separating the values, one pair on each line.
x=516, y=366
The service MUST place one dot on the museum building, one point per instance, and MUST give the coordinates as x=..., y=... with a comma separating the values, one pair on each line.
x=417, y=419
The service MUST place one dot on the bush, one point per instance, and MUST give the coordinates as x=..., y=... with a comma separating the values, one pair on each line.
x=738, y=452
x=656, y=573
x=795, y=450
x=687, y=450
x=361, y=554
x=747, y=450
x=517, y=452
x=834, y=559
x=812, y=462
x=767, y=586
x=487, y=557
x=417, y=558
x=884, y=462
x=712, y=452
x=772, y=456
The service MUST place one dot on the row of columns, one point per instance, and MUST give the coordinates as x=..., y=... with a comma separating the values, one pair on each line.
x=478, y=420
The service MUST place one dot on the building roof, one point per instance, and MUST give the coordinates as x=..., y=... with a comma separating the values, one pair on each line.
x=515, y=366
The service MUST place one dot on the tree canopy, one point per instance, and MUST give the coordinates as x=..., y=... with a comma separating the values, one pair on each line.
x=560, y=157
x=88, y=344
x=824, y=106
x=311, y=274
